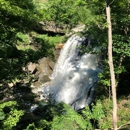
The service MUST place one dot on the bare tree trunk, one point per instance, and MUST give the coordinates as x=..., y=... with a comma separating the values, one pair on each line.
x=110, y=58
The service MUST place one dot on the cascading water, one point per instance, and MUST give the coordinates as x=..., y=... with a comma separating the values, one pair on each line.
x=75, y=76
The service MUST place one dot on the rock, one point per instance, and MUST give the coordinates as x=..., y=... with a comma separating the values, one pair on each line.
x=26, y=81
x=35, y=86
x=43, y=70
x=24, y=68
x=59, y=46
x=79, y=28
x=57, y=52
x=38, y=90
x=46, y=65
x=51, y=26
x=10, y=85
x=51, y=64
x=32, y=68
x=43, y=78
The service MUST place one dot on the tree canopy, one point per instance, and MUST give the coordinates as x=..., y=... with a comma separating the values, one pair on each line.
x=15, y=16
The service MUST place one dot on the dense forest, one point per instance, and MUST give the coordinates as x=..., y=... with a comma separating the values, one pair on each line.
x=30, y=30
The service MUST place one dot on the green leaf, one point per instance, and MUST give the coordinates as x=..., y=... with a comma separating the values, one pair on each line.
x=2, y=115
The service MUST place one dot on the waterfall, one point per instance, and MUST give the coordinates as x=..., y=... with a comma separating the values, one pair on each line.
x=75, y=76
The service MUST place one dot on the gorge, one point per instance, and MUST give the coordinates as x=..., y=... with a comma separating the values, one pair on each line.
x=75, y=75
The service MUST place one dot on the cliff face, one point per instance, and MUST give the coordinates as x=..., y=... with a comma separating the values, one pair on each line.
x=52, y=28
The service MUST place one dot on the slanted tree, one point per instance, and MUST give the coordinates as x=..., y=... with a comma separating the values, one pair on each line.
x=111, y=66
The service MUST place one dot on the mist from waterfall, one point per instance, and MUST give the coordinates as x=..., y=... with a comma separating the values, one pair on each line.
x=75, y=76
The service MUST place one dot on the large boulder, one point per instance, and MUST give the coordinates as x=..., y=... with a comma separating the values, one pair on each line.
x=51, y=26
x=46, y=66
x=31, y=67
x=44, y=70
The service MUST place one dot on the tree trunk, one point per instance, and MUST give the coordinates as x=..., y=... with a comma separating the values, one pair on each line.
x=110, y=61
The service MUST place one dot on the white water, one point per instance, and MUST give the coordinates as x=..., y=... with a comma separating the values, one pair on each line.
x=74, y=77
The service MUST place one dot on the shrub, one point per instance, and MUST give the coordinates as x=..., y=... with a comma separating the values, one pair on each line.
x=9, y=115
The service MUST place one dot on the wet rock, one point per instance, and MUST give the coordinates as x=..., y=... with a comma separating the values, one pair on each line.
x=32, y=68
x=60, y=46
x=44, y=68
x=46, y=65
x=51, y=64
x=57, y=53
x=43, y=78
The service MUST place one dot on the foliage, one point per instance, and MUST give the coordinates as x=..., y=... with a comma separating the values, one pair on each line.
x=68, y=12
x=21, y=11
x=51, y=39
x=22, y=37
x=16, y=16
x=121, y=43
x=124, y=112
x=10, y=115
x=69, y=120
x=2, y=115
x=106, y=121
x=58, y=116
x=96, y=114
x=32, y=126
x=43, y=47
x=61, y=116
